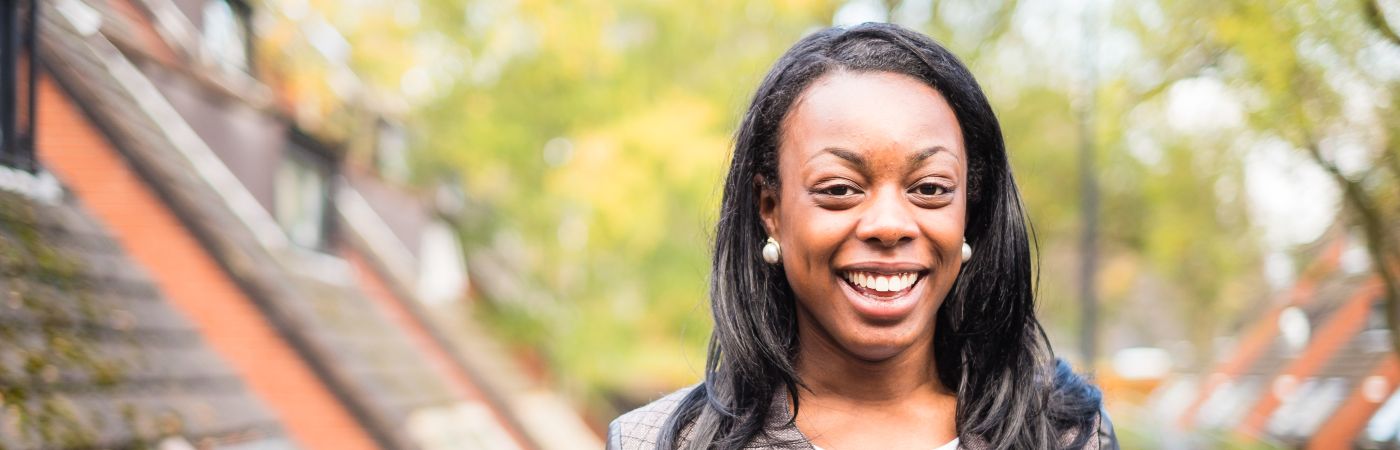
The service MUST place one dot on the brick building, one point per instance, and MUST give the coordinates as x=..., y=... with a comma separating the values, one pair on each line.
x=187, y=264
x=1315, y=370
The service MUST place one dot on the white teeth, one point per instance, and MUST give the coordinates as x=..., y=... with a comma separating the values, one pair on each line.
x=882, y=283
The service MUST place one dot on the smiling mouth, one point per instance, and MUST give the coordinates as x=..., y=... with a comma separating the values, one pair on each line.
x=882, y=285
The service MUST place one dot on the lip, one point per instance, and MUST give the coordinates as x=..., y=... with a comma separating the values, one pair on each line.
x=883, y=267
x=879, y=308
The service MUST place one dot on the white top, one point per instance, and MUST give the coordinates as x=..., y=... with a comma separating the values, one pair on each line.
x=951, y=445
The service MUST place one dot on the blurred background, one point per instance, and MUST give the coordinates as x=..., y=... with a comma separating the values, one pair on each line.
x=485, y=223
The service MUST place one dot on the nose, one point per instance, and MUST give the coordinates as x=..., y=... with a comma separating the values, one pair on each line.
x=887, y=220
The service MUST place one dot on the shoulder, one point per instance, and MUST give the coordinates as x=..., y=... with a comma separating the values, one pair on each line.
x=641, y=428
x=1074, y=391
x=1104, y=438
x=1076, y=406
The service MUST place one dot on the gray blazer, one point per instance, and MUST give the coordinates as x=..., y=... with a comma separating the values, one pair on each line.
x=641, y=428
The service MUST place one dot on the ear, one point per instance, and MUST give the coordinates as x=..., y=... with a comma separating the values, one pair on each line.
x=768, y=202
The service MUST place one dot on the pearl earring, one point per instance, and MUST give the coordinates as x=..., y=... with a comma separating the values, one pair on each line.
x=966, y=251
x=772, y=253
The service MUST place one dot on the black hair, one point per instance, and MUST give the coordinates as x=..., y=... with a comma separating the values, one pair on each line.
x=988, y=345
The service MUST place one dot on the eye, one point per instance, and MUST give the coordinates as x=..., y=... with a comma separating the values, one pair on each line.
x=930, y=189
x=839, y=190
x=836, y=194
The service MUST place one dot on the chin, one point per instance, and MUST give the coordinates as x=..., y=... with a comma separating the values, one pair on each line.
x=881, y=327
x=879, y=345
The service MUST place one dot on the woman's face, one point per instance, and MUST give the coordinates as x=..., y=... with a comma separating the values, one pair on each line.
x=870, y=211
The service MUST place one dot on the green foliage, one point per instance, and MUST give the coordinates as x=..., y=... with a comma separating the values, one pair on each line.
x=596, y=134
x=591, y=137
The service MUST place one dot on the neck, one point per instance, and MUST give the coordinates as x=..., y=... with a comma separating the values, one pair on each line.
x=833, y=374
x=854, y=401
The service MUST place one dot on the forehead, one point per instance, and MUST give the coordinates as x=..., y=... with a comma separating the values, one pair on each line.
x=866, y=111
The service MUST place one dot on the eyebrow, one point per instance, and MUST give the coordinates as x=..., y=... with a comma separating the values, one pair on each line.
x=857, y=160
x=927, y=153
x=850, y=156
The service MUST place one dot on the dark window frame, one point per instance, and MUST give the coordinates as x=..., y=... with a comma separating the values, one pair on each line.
x=308, y=151
x=379, y=155
x=243, y=14
x=18, y=42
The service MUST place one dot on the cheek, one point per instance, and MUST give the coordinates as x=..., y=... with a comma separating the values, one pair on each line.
x=814, y=238
x=943, y=229
x=810, y=244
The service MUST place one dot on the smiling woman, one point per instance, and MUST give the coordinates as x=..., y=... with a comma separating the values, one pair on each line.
x=872, y=265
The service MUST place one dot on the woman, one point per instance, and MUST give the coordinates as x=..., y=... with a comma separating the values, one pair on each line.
x=872, y=282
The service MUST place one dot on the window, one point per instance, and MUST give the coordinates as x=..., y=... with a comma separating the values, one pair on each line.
x=1224, y=409
x=442, y=272
x=1385, y=423
x=391, y=151
x=1300, y=415
x=226, y=34
x=303, y=194
x=17, y=40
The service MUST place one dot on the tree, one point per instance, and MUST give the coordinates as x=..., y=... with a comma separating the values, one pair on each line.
x=1319, y=75
x=591, y=137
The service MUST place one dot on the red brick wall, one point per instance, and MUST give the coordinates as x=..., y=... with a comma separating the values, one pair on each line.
x=76, y=152
x=1328, y=337
x=1349, y=420
x=148, y=39
x=1255, y=341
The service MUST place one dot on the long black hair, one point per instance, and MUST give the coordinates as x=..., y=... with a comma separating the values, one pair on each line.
x=989, y=347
